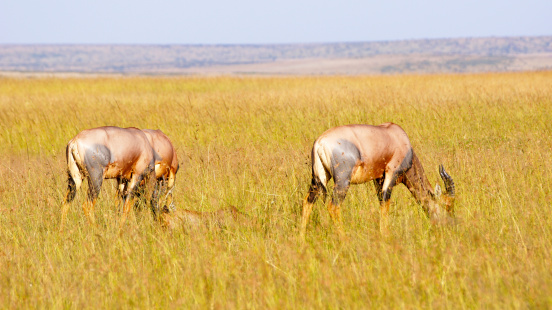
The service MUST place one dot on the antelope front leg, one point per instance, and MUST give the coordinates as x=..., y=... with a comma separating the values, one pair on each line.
x=128, y=202
x=384, y=217
x=387, y=189
x=120, y=193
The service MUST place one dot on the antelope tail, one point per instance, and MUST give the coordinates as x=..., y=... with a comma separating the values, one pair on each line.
x=73, y=163
x=319, y=170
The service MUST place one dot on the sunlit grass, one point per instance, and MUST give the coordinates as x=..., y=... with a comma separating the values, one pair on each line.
x=246, y=142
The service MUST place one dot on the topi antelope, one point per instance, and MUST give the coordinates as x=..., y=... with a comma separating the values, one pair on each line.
x=166, y=165
x=355, y=154
x=109, y=153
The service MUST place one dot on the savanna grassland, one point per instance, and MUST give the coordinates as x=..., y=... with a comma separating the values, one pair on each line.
x=246, y=142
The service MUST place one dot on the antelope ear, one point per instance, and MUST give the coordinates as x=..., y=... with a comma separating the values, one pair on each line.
x=438, y=191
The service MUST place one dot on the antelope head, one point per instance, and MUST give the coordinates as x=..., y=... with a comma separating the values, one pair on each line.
x=438, y=205
x=443, y=200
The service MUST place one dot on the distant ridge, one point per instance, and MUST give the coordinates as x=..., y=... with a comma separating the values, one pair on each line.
x=409, y=56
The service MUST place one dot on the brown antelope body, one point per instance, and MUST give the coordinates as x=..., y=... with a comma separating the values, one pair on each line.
x=355, y=154
x=166, y=164
x=108, y=153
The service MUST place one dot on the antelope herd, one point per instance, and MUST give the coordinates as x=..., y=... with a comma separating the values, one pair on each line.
x=144, y=163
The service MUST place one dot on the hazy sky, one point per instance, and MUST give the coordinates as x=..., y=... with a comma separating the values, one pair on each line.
x=258, y=21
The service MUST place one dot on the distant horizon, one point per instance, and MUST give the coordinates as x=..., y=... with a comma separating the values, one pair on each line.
x=289, y=43
x=379, y=57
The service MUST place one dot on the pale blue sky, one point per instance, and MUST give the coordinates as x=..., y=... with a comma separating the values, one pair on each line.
x=259, y=22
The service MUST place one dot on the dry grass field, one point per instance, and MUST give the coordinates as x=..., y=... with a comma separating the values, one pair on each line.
x=245, y=142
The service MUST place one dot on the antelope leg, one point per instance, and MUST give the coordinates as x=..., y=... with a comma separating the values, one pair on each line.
x=307, y=209
x=128, y=202
x=335, y=214
x=384, y=217
x=88, y=208
x=64, y=210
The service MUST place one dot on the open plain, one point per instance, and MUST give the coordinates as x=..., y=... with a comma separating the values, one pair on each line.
x=245, y=142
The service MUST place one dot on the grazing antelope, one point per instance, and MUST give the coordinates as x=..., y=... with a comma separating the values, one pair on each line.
x=108, y=153
x=166, y=164
x=355, y=154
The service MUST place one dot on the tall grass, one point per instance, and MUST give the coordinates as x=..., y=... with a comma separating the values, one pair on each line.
x=246, y=142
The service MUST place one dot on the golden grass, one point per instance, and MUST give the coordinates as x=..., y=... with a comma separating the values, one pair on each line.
x=246, y=142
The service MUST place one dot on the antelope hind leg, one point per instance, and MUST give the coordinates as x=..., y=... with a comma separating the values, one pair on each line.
x=308, y=202
x=72, y=188
x=307, y=209
x=335, y=214
x=88, y=208
x=64, y=210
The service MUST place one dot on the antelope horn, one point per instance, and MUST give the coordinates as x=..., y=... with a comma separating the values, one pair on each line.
x=447, y=179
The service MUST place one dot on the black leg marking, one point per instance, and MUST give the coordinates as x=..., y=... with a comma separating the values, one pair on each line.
x=387, y=193
x=404, y=166
x=155, y=198
x=71, y=188
x=378, y=184
x=315, y=189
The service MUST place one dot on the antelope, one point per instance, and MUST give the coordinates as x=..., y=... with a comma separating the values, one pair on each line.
x=166, y=165
x=356, y=154
x=108, y=153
